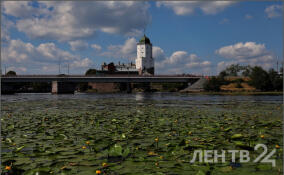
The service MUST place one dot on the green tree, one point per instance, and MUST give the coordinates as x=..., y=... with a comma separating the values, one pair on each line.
x=223, y=74
x=91, y=72
x=246, y=70
x=11, y=73
x=276, y=80
x=281, y=71
x=259, y=79
x=214, y=84
x=234, y=69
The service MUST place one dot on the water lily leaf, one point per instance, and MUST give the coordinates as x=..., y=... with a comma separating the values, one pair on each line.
x=237, y=136
x=200, y=173
x=19, y=148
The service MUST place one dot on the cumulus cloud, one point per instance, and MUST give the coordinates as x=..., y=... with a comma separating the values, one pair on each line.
x=242, y=50
x=158, y=53
x=23, y=9
x=78, y=45
x=5, y=37
x=65, y=21
x=189, y=7
x=273, y=11
x=127, y=50
x=96, y=47
x=6, y=25
x=86, y=62
x=181, y=62
x=41, y=58
x=249, y=53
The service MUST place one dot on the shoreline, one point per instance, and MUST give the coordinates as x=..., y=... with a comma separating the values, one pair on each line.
x=201, y=92
x=235, y=93
x=277, y=93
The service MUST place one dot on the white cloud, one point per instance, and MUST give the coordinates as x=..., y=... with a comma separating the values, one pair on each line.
x=129, y=47
x=242, y=50
x=127, y=50
x=86, y=62
x=5, y=37
x=40, y=59
x=78, y=45
x=23, y=9
x=6, y=25
x=224, y=64
x=189, y=7
x=182, y=62
x=65, y=21
x=96, y=47
x=249, y=53
x=49, y=52
x=273, y=11
x=158, y=53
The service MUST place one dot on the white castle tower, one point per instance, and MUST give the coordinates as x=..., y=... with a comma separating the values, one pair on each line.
x=144, y=60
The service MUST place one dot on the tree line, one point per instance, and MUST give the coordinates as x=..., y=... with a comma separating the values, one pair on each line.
x=258, y=77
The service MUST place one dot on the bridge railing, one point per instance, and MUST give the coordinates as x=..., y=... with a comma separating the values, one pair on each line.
x=109, y=75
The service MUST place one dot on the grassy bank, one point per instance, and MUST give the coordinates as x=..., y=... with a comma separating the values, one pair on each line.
x=237, y=93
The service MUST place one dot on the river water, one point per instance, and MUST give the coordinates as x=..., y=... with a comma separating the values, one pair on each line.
x=76, y=134
x=144, y=97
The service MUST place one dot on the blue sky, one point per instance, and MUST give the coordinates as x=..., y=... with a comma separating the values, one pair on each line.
x=188, y=37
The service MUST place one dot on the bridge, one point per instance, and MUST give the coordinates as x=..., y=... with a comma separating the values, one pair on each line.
x=98, y=79
x=65, y=83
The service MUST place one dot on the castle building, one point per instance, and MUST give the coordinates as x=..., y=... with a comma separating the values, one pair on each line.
x=144, y=60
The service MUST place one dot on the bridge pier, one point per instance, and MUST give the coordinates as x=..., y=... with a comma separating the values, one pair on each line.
x=62, y=87
x=128, y=88
x=8, y=88
x=54, y=88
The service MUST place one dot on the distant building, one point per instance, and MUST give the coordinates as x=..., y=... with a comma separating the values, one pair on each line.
x=144, y=60
x=118, y=69
x=108, y=67
x=126, y=67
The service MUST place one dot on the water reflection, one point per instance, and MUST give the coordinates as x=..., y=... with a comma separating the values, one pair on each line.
x=139, y=97
x=143, y=97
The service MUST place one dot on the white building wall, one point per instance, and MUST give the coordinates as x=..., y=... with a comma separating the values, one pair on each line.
x=144, y=57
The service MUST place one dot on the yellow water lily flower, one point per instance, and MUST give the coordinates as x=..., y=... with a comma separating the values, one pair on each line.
x=151, y=153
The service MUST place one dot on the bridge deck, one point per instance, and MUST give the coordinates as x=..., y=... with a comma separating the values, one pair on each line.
x=99, y=79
